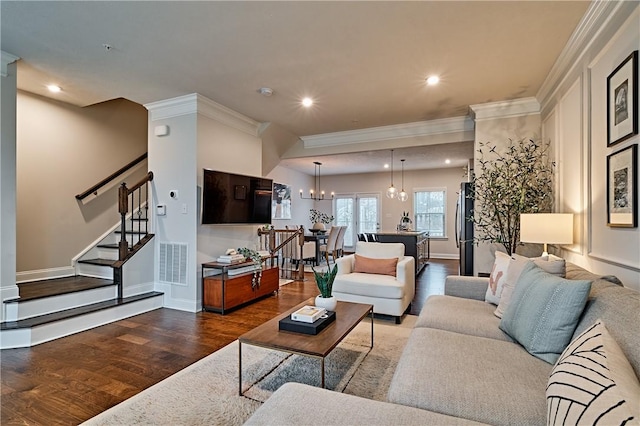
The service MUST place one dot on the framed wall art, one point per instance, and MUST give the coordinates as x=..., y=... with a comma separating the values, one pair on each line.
x=281, y=201
x=622, y=101
x=622, y=188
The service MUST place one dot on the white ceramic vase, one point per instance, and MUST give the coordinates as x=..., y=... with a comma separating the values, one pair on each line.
x=329, y=303
x=319, y=226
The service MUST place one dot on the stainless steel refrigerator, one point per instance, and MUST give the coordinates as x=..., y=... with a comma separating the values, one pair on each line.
x=464, y=228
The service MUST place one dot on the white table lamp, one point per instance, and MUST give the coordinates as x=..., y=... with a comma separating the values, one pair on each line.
x=546, y=228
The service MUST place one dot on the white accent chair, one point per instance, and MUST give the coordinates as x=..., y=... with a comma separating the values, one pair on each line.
x=389, y=295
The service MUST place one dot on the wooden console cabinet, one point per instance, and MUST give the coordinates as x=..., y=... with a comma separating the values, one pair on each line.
x=416, y=244
x=222, y=292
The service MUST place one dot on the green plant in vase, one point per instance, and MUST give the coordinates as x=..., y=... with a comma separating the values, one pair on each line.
x=319, y=219
x=254, y=257
x=324, y=281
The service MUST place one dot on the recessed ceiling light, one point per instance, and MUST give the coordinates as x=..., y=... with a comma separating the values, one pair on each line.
x=434, y=79
x=265, y=91
x=447, y=161
x=307, y=102
x=386, y=166
x=53, y=88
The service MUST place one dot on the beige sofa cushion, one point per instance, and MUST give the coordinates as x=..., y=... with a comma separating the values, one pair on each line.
x=296, y=404
x=481, y=379
x=466, y=316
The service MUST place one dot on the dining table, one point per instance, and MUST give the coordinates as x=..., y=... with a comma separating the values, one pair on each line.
x=319, y=238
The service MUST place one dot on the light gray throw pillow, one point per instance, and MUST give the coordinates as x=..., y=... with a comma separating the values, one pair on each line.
x=544, y=311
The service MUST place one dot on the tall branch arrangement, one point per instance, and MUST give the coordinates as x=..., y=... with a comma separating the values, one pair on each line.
x=518, y=180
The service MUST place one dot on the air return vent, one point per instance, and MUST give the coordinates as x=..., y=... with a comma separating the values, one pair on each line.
x=173, y=263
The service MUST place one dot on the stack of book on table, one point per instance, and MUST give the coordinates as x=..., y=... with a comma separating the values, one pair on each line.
x=308, y=320
x=231, y=258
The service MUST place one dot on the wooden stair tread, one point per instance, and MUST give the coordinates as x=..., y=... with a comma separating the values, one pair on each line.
x=74, y=312
x=130, y=232
x=57, y=286
x=113, y=246
x=99, y=262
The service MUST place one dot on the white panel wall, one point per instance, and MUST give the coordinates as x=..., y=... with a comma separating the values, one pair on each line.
x=8, y=80
x=581, y=124
x=570, y=161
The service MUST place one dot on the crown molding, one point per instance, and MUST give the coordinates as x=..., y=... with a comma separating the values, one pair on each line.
x=601, y=17
x=397, y=131
x=6, y=59
x=505, y=109
x=195, y=103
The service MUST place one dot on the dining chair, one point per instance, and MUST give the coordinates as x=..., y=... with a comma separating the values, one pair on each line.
x=340, y=243
x=330, y=246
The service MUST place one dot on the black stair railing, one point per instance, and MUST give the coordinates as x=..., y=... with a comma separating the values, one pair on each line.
x=134, y=200
x=94, y=189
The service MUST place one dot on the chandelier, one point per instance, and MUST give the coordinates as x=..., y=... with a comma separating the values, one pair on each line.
x=316, y=193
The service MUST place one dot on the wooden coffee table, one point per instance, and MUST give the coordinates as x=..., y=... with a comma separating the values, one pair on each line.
x=268, y=335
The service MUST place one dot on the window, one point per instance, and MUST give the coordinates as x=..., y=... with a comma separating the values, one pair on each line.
x=360, y=213
x=429, y=208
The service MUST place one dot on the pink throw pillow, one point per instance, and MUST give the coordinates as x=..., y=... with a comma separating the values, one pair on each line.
x=367, y=265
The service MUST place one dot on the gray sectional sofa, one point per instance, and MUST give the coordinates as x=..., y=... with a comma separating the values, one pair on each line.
x=458, y=367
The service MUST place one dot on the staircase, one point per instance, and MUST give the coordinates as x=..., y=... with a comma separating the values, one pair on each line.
x=113, y=281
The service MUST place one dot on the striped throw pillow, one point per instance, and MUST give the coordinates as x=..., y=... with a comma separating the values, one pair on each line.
x=593, y=383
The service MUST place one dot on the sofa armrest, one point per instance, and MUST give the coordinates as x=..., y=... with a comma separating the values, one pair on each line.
x=406, y=273
x=467, y=287
x=345, y=264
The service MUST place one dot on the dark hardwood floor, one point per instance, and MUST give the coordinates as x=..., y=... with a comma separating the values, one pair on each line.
x=70, y=380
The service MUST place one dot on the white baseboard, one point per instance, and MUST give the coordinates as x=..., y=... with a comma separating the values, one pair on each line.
x=45, y=274
x=448, y=256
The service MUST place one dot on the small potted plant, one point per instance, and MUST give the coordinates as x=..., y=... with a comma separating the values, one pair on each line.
x=324, y=281
x=319, y=219
x=254, y=257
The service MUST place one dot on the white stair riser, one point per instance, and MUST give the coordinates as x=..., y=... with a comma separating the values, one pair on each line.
x=32, y=308
x=95, y=271
x=105, y=253
x=22, y=338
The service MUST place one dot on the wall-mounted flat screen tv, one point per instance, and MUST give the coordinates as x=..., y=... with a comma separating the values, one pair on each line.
x=228, y=198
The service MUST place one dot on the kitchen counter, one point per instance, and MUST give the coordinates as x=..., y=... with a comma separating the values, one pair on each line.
x=416, y=244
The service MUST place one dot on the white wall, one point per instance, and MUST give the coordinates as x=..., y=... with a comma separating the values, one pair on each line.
x=8, y=288
x=391, y=210
x=576, y=115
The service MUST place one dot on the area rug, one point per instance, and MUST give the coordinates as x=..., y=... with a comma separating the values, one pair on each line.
x=206, y=392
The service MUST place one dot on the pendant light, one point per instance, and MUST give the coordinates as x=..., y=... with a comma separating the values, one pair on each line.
x=403, y=196
x=392, y=191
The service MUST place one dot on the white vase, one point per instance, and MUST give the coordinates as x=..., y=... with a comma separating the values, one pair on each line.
x=329, y=303
x=319, y=226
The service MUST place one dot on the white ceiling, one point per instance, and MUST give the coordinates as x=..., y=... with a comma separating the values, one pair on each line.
x=364, y=63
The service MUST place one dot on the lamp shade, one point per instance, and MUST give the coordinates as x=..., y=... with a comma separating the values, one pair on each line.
x=546, y=228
